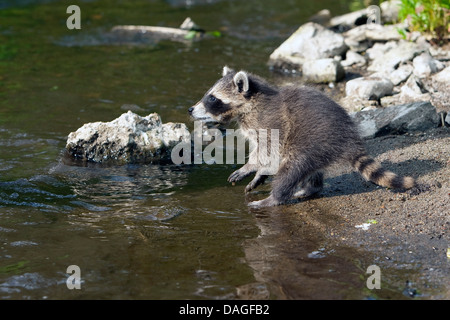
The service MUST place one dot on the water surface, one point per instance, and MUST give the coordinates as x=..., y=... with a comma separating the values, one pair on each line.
x=143, y=231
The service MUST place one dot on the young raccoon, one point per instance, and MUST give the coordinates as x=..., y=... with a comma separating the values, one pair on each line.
x=314, y=132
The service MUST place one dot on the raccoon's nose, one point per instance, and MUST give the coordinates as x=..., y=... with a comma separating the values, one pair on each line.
x=190, y=110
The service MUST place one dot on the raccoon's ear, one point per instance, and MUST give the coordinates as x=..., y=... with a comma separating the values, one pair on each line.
x=226, y=71
x=241, y=81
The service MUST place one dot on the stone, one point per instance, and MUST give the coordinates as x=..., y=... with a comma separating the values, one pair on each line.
x=379, y=49
x=441, y=53
x=443, y=77
x=389, y=60
x=440, y=83
x=401, y=74
x=447, y=119
x=355, y=45
x=390, y=10
x=323, y=71
x=350, y=20
x=418, y=116
x=413, y=90
x=353, y=58
x=136, y=34
x=369, y=88
x=310, y=42
x=372, y=32
x=127, y=139
x=425, y=65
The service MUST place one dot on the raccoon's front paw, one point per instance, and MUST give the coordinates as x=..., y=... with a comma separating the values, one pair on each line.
x=238, y=175
x=257, y=180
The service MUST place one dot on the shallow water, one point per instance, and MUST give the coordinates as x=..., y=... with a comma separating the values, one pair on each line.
x=143, y=231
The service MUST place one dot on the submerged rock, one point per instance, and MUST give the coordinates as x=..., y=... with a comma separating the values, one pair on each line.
x=151, y=34
x=140, y=35
x=127, y=139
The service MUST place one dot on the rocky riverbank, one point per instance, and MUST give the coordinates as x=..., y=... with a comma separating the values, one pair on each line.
x=372, y=62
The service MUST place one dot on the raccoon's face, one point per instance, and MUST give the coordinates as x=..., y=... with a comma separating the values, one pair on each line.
x=222, y=103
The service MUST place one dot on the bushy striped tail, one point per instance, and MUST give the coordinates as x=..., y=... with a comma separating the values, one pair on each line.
x=373, y=171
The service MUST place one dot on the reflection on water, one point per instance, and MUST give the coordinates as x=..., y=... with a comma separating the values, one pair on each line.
x=124, y=188
x=131, y=229
x=291, y=253
x=135, y=231
x=95, y=188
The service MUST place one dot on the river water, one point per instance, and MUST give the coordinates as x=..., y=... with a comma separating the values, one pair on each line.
x=143, y=231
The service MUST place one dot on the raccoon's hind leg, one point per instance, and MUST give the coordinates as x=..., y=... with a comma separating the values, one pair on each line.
x=311, y=185
x=283, y=187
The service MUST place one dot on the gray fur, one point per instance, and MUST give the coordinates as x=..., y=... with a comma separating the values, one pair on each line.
x=314, y=133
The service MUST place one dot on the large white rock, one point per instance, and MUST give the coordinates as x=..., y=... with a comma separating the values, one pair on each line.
x=127, y=139
x=310, y=42
x=379, y=49
x=425, y=65
x=372, y=88
x=323, y=71
x=395, y=55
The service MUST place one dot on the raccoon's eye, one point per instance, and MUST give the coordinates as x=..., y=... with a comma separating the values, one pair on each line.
x=212, y=99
